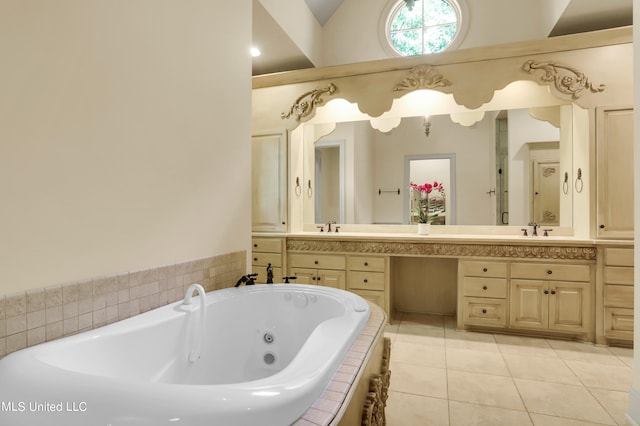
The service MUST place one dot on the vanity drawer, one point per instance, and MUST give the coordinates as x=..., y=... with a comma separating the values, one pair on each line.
x=268, y=245
x=263, y=259
x=318, y=261
x=619, y=296
x=618, y=256
x=484, y=269
x=554, y=272
x=365, y=280
x=366, y=263
x=618, y=323
x=618, y=275
x=487, y=312
x=375, y=297
x=485, y=287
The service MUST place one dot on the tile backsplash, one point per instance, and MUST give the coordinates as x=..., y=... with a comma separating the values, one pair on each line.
x=40, y=315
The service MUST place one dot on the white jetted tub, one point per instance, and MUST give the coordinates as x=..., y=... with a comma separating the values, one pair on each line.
x=266, y=354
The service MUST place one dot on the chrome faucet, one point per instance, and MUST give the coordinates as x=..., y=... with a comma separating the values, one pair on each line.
x=194, y=354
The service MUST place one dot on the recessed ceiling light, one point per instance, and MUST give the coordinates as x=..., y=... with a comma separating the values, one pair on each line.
x=255, y=52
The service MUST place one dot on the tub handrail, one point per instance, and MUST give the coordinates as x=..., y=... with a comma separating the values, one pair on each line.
x=194, y=354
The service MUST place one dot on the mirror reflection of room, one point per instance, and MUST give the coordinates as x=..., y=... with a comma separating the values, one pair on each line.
x=507, y=169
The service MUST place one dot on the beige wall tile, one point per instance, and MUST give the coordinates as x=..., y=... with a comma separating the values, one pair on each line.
x=16, y=304
x=53, y=296
x=35, y=300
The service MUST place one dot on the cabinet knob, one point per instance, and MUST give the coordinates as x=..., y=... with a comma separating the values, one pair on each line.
x=484, y=287
x=546, y=292
x=255, y=259
x=484, y=269
x=484, y=311
x=553, y=292
x=315, y=262
x=366, y=263
x=366, y=280
x=602, y=226
x=549, y=272
x=255, y=245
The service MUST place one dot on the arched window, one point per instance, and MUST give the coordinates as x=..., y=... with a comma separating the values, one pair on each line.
x=418, y=27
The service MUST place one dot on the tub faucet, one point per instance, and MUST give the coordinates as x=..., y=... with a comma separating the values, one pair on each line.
x=269, y=274
x=194, y=355
x=249, y=279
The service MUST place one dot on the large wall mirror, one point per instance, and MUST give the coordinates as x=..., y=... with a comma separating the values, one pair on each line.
x=509, y=166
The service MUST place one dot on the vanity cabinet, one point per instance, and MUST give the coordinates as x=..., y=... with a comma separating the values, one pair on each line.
x=483, y=286
x=269, y=185
x=614, y=142
x=367, y=277
x=615, y=291
x=320, y=269
x=556, y=297
x=265, y=251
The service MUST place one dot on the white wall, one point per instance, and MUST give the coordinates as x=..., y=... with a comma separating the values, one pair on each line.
x=124, y=136
x=634, y=396
x=346, y=40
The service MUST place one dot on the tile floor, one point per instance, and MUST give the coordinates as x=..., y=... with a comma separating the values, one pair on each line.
x=443, y=377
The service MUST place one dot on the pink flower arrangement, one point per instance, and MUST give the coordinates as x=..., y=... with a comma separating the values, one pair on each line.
x=429, y=208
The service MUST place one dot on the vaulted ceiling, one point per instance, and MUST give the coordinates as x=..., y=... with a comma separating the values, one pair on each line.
x=284, y=55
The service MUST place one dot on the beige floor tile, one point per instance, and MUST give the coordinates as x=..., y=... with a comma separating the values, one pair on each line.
x=406, y=409
x=464, y=414
x=471, y=341
x=422, y=319
x=417, y=354
x=556, y=399
x=611, y=377
x=616, y=403
x=544, y=420
x=450, y=322
x=418, y=380
x=476, y=361
x=577, y=351
x=624, y=354
x=530, y=346
x=484, y=389
x=421, y=335
x=538, y=368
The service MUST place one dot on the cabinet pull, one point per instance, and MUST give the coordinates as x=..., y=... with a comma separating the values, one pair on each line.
x=553, y=292
x=255, y=259
x=484, y=287
x=484, y=311
x=255, y=245
x=315, y=262
x=366, y=280
x=484, y=269
x=366, y=263
x=546, y=292
x=549, y=272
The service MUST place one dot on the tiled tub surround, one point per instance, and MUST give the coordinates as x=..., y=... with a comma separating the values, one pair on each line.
x=39, y=315
x=342, y=401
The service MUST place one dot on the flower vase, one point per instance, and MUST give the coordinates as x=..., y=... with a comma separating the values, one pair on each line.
x=424, y=228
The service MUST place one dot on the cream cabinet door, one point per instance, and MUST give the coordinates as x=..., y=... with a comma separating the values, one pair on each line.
x=304, y=276
x=615, y=172
x=330, y=278
x=529, y=307
x=568, y=306
x=268, y=179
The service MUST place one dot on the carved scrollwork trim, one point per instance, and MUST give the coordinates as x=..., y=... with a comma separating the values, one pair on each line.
x=306, y=103
x=447, y=249
x=567, y=80
x=422, y=77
